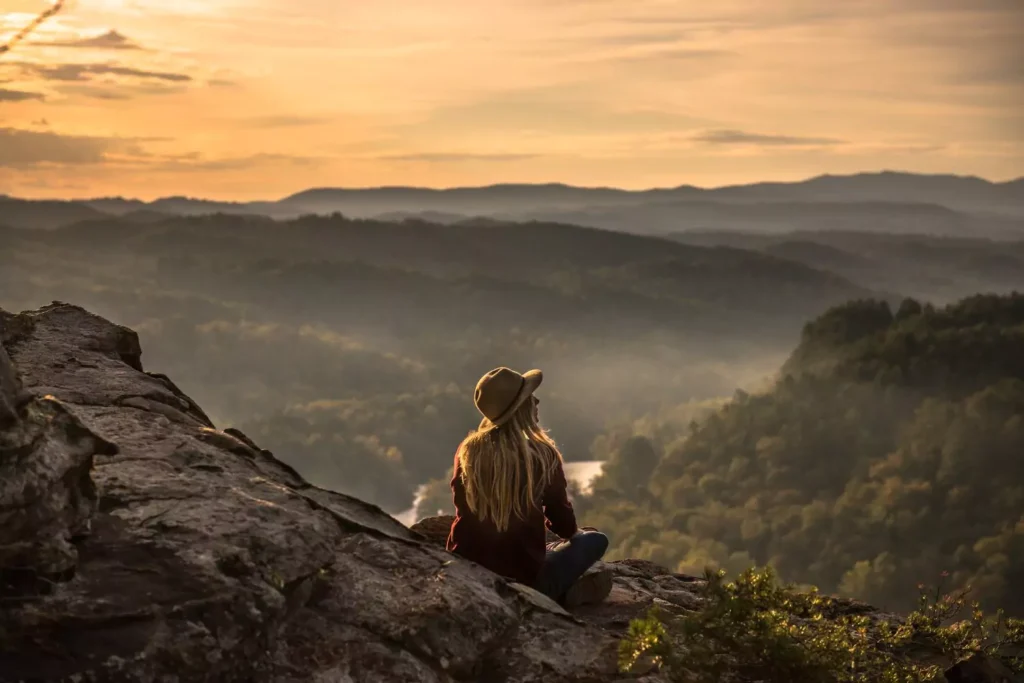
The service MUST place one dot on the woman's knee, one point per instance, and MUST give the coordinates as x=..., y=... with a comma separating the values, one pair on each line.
x=597, y=542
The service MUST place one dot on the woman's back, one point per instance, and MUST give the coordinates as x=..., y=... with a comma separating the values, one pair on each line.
x=508, y=478
x=518, y=550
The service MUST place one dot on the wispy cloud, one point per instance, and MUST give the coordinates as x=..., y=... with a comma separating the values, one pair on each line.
x=285, y=121
x=739, y=137
x=26, y=148
x=86, y=72
x=121, y=91
x=663, y=54
x=103, y=81
x=111, y=40
x=574, y=110
x=198, y=162
x=18, y=95
x=455, y=157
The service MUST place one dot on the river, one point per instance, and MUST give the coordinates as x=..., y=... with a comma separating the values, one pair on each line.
x=582, y=473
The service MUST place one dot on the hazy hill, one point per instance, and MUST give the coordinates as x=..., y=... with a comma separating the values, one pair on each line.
x=565, y=258
x=44, y=214
x=787, y=216
x=888, y=202
x=187, y=206
x=955, y=192
x=967, y=193
x=324, y=334
x=934, y=268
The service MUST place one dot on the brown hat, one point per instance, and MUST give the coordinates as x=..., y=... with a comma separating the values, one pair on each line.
x=501, y=391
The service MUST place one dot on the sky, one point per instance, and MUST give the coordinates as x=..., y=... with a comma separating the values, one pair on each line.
x=257, y=99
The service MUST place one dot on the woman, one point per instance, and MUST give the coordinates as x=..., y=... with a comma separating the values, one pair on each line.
x=508, y=478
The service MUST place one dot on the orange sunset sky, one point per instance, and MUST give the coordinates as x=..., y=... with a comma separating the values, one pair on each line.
x=243, y=99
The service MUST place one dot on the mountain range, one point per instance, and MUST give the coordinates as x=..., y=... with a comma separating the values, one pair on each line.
x=890, y=202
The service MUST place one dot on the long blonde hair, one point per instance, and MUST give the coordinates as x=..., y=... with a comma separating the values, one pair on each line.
x=506, y=468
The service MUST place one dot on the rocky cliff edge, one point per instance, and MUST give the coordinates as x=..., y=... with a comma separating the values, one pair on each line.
x=138, y=542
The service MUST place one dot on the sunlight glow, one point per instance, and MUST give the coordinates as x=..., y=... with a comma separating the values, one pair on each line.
x=266, y=97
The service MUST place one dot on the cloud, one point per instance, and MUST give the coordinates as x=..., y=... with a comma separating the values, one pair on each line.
x=111, y=40
x=18, y=95
x=455, y=157
x=739, y=137
x=631, y=38
x=676, y=33
x=193, y=161
x=285, y=121
x=105, y=81
x=568, y=111
x=86, y=72
x=668, y=56
x=25, y=148
x=114, y=94
x=892, y=148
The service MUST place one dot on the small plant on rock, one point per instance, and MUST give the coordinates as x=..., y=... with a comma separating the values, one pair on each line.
x=754, y=628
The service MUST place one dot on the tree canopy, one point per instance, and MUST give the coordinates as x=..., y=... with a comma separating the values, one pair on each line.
x=890, y=447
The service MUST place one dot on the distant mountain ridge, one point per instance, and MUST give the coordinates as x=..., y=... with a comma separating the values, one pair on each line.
x=886, y=201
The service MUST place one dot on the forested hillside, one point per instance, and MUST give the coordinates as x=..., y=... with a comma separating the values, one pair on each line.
x=353, y=346
x=890, y=450
x=938, y=269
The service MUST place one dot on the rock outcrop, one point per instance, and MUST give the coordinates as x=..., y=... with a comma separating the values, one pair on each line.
x=47, y=496
x=139, y=543
x=637, y=585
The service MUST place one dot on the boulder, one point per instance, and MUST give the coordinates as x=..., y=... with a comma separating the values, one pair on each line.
x=47, y=496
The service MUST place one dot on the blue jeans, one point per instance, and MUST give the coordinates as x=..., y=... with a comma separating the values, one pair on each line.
x=567, y=562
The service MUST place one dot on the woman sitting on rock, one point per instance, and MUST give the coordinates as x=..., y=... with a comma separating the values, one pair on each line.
x=508, y=478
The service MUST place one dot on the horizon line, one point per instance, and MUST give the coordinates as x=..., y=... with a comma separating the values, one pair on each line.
x=491, y=186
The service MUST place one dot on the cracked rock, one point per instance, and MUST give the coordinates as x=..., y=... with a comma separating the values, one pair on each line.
x=210, y=560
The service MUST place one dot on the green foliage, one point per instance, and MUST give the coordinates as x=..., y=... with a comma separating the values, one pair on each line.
x=883, y=452
x=632, y=464
x=754, y=628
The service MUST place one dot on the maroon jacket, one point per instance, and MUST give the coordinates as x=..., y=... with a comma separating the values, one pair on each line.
x=518, y=552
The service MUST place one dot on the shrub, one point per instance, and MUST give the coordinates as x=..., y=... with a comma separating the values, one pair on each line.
x=754, y=628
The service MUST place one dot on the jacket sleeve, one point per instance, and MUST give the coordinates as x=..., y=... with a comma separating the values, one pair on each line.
x=561, y=518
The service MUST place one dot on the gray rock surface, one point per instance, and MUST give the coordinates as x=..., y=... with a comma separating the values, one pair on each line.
x=47, y=497
x=163, y=549
x=637, y=585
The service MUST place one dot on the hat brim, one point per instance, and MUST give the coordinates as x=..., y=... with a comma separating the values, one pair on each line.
x=531, y=380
